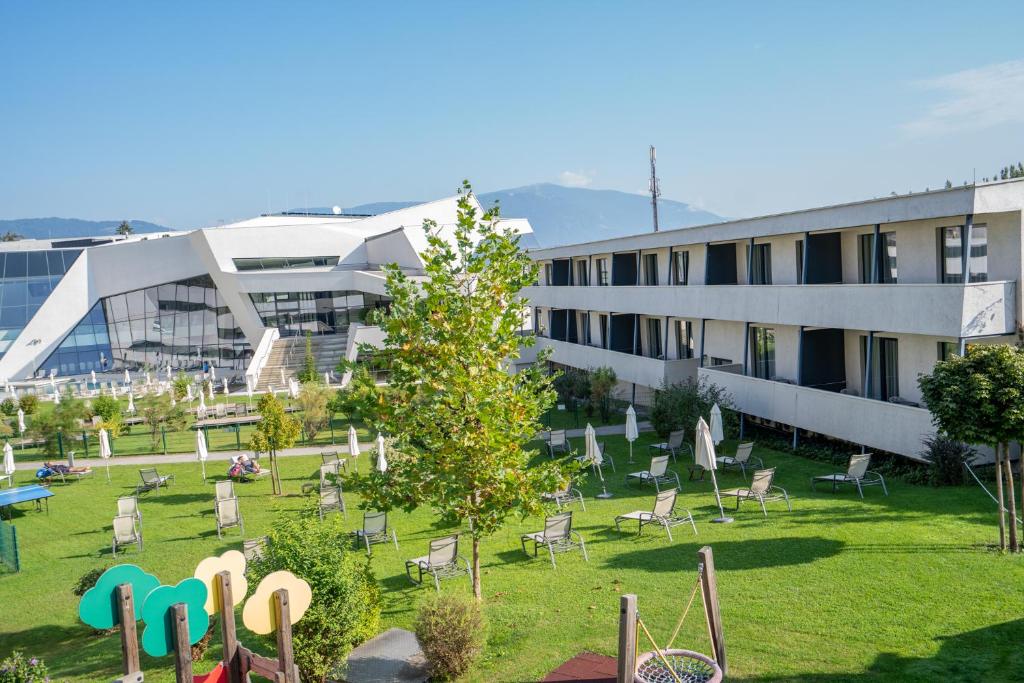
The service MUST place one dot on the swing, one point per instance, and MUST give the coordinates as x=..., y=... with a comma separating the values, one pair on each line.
x=668, y=665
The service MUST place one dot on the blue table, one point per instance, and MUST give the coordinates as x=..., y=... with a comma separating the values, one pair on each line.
x=25, y=494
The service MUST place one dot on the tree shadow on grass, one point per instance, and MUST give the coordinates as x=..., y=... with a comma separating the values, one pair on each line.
x=729, y=555
x=176, y=498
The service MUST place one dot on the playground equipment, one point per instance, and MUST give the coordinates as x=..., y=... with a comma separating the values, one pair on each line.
x=177, y=617
x=667, y=664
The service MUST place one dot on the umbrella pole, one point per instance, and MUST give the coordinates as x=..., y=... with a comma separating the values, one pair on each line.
x=630, y=452
x=203, y=465
x=108, y=473
x=723, y=519
x=604, y=489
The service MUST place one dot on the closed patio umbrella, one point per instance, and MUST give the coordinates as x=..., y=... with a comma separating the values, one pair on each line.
x=105, y=450
x=327, y=379
x=201, y=410
x=382, y=463
x=92, y=376
x=704, y=454
x=210, y=387
x=9, y=463
x=594, y=457
x=224, y=383
x=201, y=452
x=127, y=377
x=188, y=393
x=21, y=422
x=717, y=435
x=131, y=403
x=632, y=434
x=147, y=378
x=56, y=396
x=293, y=388
x=353, y=445
x=173, y=402
x=213, y=373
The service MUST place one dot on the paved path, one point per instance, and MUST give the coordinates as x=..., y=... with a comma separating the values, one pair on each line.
x=342, y=448
x=392, y=657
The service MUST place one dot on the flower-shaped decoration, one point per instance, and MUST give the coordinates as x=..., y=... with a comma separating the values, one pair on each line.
x=206, y=571
x=158, y=638
x=98, y=607
x=259, y=613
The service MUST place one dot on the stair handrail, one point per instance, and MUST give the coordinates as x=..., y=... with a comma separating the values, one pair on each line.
x=260, y=356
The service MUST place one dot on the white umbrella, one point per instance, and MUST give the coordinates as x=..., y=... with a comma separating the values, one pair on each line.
x=224, y=383
x=127, y=377
x=704, y=455
x=202, y=404
x=594, y=457
x=293, y=388
x=210, y=387
x=716, y=425
x=113, y=390
x=21, y=422
x=353, y=444
x=382, y=463
x=632, y=434
x=201, y=452
x=327, y=378
x=131, y=403
x=147, y=378
x=92, y=376
x=9, y=462
x=188, y=393
x=56, y=396
x=213, y=373
x=168, y=372
x=105, y=450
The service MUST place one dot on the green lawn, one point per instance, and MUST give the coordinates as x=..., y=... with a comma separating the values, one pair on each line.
x=903, y=588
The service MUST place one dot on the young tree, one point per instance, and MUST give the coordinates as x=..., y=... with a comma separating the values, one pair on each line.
x=458, y=418
x=602, y=381
x=313, y=402
x=979, y=399
x=308, y=372
x=275, y=430
x=125, y=228
x=161, y=415
x=51, y=427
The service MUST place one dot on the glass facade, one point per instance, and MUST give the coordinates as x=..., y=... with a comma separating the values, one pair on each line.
x=295, y=313
x=185, y=324
x=26, y=280
x=284, y=263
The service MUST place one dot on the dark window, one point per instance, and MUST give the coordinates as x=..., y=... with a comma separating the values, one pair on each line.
x=763, y=349
x=886, y=255
x=560, y=272
x=684, y=339
x=16, y=265
x=951, y=250
x=602, y=271
x=584, y=332
x=625, y=269
x=800, y=262
x=547, y=274
x=680, y=267
x=55, y=263
x=328, y=312
x=721, y=260
x=602, y=321
x=884, y=378
x=37, y=264
x=761, y=267
x=284, y=262
x=582, y=273
x=650, y=270
x=654, y=337
x=949, y=349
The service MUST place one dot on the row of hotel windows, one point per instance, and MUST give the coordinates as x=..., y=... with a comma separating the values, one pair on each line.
x=824, y=268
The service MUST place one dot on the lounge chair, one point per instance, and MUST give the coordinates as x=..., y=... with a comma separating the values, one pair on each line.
x=442, y=562
x=557, y=441
x=565, y=496
x=228, y=515
x=329, y=475
x=331, y=499
x=857, y=473
x=662, y=514
x=761, y=489
x=657, y=474
x=152, y=480
x=253, y=548
x=742, y=459
x=65, y=471
x=125, y=533
x=557, y=537
x=672, y=446
x=375, y=530
x=329, y=457
x=128, y=506
x=606, y=460
x=224, y=489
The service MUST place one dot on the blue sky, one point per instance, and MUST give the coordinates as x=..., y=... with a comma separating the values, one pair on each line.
x=192, y=113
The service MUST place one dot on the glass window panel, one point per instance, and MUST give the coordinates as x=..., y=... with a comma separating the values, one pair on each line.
x=70, y=256
x=3, y=262
x=38, y=291
x=54, y=263
x=136, y=304
x=16, y=264
x=12, y=316
x=118, y=308
x=37, y=264
x=15, y=293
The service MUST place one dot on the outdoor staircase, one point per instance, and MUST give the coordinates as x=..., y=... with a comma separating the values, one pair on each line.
x=289, y=353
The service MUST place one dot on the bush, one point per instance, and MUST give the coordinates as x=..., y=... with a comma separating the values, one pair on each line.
x=572, y=384
x=180, y=385
x=346, y=598
x=602, y=381
x=17, y=669
x=314, y=403
x=450, y=631
x=946, y=458
x=107, y=407
x=308, y=373
x=9, y=407
x=678, y=406
x=28, y=403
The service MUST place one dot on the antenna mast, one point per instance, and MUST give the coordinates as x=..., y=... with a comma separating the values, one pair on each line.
x=655, y=188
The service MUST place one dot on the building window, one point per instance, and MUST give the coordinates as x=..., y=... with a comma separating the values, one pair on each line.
x=684, y=339
x=799, y=262
x=681, y=268
x=284, y=263
x=602, y=272
x=884, y=377
x=547, y=274
x=650, y=269
x=951, y=250
x=585, y=328
x=602, y=322
x=761, y=267
x=296, y=313
x=654, y=337
x=886, y=258
x=763, y=349
x=582, y=273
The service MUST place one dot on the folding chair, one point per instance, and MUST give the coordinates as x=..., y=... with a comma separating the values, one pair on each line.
x=557, y=441
x=742, y=459
x=672, y=446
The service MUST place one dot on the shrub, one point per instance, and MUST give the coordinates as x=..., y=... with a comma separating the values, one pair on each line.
x=678, y=406
x=180, y=386
x=63, y=419
x=28, y=403
x=346, y=604
x=572, y=384
x=88, y=580
x=946, y=458
x=308, y=373
x=9, y=407
x=602, y=381
x=106, y=407
x=17, y=669
x=450, y=631
x=313, y=402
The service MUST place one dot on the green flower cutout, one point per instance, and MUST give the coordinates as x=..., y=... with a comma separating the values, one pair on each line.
x=98, y=607
x=158, y=638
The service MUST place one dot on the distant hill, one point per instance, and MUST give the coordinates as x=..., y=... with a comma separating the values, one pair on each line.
x=46, y=228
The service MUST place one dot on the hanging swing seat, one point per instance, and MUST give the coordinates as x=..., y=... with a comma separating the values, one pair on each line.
x=686, y=665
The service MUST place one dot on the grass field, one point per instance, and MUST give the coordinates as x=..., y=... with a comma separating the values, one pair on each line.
x=903, y=588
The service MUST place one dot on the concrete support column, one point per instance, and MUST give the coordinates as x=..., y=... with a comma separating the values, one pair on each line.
x=703, y=330
x=750, y=262
x=875, y=246
x=746, y=349
x=869, y=364
x=805, y=258
x=965, y=247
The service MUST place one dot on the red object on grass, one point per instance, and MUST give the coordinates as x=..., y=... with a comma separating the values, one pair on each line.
x=218, y=675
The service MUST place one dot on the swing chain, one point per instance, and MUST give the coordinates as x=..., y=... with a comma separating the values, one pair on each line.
x=693, y=595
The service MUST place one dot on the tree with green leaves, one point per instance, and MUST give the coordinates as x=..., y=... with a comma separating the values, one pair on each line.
x=160, y=415
x=602, y=382
x=458, y=421
x=313, y=403
x=125, y=228
x=54, y=425
x=10, y=236
x=979, y=399
x=308, y=372
x=275, y=430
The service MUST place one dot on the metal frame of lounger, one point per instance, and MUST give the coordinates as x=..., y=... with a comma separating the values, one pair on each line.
x=125, y=538
x=745, y=449
x=857, y=473
x=334, y=501
x=762, y=489
x=236, y=521
x=441, y=562
x=253, y=548
x=663, y=514
x=153, y=483
x=562, y=445
x=373, y=532
x=658, y=474
x=674, y=444
x=566, y=496
x=557, y=537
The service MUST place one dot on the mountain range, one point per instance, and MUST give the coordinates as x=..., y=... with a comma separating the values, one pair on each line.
x=558, y=214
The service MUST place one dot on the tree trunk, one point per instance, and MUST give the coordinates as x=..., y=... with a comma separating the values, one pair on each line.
x=275, y=483
x=477, y=593
x=1013, y=499
x=999, y=496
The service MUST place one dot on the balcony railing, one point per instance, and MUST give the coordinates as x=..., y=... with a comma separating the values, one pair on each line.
x=650, y=372
x=942, y=310
x=876, y=424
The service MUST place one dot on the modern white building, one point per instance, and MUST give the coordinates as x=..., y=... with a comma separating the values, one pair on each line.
x=821, y=319
x=230, y=296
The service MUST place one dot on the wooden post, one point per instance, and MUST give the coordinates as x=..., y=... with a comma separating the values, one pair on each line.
x=709, y=593
x=182, y=647
x=129, y=634
x=285, y=655
x=627, y=639
x=228, y=633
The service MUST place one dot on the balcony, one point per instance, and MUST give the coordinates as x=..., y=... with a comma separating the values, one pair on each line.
x=941, y=310
x=876, y=424
x=650, y=372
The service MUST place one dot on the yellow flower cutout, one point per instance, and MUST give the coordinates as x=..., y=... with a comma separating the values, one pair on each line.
x=232, y=562
x=259, y=614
